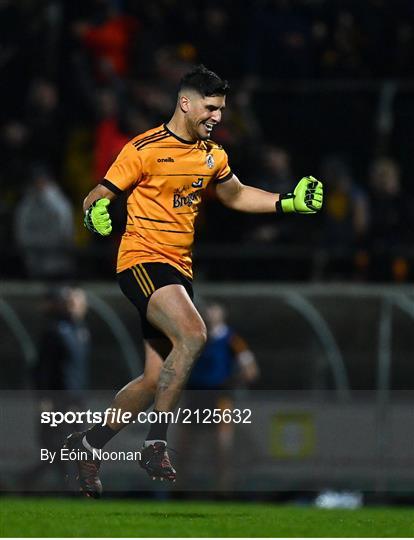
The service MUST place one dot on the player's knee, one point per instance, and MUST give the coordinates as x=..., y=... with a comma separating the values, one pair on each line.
x=152, y=385
x=151, y=381
x=195, y=339
x=192, y=339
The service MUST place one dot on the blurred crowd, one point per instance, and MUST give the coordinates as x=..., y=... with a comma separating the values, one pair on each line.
x=79, y=79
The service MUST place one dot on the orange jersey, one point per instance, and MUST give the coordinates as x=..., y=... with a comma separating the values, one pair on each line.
x=165, y=177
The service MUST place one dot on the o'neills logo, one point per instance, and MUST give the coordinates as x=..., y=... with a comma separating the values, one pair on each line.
x=180, y=200
x=165, y=160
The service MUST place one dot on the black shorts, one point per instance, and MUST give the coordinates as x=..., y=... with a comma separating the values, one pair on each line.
x=141, y=280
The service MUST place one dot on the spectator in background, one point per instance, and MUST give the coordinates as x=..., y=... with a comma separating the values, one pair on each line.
x=61, y=371
x=14, y=159
x=388, y=231
x=217, y=25
x=108, y=36
x=276, y=168
x=274, y=174
x=225, y=364
x=155, y=94
x=14, y=152
x=44, y=123
x=64, y=345
x=339, y=41
x=279, y=43
x=109, y=139
x=345, y=218
x=44, y=228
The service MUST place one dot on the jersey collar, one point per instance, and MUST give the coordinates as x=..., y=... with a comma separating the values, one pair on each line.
x=177, y=137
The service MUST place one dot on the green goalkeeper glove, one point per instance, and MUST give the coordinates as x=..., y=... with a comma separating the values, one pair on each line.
x=97, y=218
x=307, y=197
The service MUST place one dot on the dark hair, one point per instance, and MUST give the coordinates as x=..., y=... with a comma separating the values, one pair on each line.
x=204, y=81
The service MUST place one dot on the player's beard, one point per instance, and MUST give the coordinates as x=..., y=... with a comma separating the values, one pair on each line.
x=197, y=130
x=202, y=132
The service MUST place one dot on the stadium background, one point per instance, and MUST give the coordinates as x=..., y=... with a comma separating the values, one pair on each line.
x=317, y=87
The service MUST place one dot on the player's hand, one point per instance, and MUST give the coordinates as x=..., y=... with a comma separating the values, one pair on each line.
x=97, y=218
x=307, y=197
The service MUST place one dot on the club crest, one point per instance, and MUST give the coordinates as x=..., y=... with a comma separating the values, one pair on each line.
x=210, y=161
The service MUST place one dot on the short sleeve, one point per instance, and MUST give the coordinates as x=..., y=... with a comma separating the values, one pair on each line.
x=223, y=172
x=238, y=344
x=126, y=170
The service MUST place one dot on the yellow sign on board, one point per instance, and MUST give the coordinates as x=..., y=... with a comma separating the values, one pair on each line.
x=292, y=435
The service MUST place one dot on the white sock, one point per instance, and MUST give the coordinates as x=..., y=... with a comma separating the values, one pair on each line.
x=148, y=443
x=88, y=446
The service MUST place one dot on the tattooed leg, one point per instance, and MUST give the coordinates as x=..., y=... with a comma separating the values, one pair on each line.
x=139, y=394
x=172, y=311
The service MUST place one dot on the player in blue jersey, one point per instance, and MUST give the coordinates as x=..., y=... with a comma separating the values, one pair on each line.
x=225, y=364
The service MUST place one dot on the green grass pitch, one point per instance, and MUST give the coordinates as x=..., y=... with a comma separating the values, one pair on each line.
x=41, y=517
